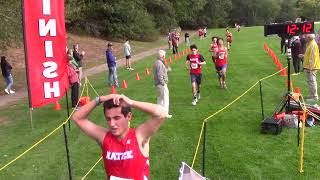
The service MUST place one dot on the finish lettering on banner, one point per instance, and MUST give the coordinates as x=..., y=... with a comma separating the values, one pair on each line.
x=45, y=41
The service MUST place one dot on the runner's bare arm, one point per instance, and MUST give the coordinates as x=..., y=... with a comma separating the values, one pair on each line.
x=187, y=65
x=92, y=130
x=145, y=130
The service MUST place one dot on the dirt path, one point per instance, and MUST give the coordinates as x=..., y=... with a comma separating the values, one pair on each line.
x=23, y=93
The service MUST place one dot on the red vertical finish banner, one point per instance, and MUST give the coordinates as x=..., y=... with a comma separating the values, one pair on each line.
x=45, y=50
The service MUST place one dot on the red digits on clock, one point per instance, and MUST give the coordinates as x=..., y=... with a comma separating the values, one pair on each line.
x=291, y=29
x=307, y=28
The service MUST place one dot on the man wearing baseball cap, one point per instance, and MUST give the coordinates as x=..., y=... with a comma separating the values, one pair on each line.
x=112, y=66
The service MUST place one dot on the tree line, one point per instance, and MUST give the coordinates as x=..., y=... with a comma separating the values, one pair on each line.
x=146, y=19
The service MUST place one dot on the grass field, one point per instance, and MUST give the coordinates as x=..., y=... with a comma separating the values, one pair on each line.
x=235, y=148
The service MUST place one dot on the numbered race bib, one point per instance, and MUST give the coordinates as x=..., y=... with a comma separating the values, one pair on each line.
x=221, y=56
x=194, y=66
x=117, y=178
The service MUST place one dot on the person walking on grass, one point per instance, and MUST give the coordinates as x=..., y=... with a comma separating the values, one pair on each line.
x=221, y=63
x=125, y=151
x=193, y=65
x=161, y=80
x=213, y=47
x=297, y=54
x=6, y=69
x=311, y=65
x=112, y=66
x=187, y=39
x=127, y=54
x=229, y=38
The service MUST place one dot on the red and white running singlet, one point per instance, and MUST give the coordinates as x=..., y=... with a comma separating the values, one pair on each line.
x=195, y=59
x=123, y=159
x=213, y=46
x=221, y=57
x=229, y=36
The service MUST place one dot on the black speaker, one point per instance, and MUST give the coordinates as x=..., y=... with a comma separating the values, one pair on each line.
x=271, y=126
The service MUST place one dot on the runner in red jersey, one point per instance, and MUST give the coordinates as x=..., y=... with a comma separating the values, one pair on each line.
x=213, y=47
x=221, y=63
x=193, y=64
x=125, y=150
x=229, y=38
x=200, y=34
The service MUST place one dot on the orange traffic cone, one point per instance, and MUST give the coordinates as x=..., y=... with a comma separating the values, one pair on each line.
x=57, y=106
x=179, y=55
x=175, y=57
x=113, y=90
x=124, y=84
x=137, y=77
x=147, y=72
x=297, y=90
x=165, y=62
x=183, y=53
x=170, y=60
x=284, y=72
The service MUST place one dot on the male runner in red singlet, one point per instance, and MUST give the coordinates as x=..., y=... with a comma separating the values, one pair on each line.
x=125, y=150
x=221, y=63
x=213, y=47
x=193, y=64
x=229, y=38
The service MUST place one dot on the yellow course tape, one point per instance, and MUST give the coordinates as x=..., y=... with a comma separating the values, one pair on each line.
x=222, y=109
x=302, y=136
x=40, y=141
x=91, y=169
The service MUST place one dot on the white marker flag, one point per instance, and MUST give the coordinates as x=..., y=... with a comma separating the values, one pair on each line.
x=187, y=173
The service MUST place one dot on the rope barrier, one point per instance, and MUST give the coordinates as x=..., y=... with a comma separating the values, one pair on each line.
x=302, y=136
x=194, y=158
x=91, y=169
x=40, y=141
x=225, y=107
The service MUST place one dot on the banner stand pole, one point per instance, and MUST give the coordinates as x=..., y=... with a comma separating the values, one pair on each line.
x=68, y=113
x=204, y=149
x=26, y=62
x=30, y=113
x=67, y=151
x=261, y=100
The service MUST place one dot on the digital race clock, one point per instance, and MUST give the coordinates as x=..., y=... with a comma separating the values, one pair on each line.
x=289, y=29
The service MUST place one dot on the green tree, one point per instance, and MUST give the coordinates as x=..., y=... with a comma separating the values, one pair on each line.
x=287, y=11
x=216, y=13
x=11, y=23
x=254, y=12
x=187, y=11
x=163, y=14
x=113, y=19
x=309, y=9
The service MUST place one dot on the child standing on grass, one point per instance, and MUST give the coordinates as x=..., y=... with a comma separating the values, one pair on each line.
x=6, y=73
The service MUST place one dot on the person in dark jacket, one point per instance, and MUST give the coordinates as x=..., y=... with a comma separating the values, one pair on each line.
x=79, y=59
x=283, y=43
x=6, y=73
x=112, y=66
x=297, y=54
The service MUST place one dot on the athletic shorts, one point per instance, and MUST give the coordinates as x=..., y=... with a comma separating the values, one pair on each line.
x=128, y=57
x=222, y=68
x=229, y=40
x=196, y=78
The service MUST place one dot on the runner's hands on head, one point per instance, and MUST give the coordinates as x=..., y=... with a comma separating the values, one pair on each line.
x=116, y=98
